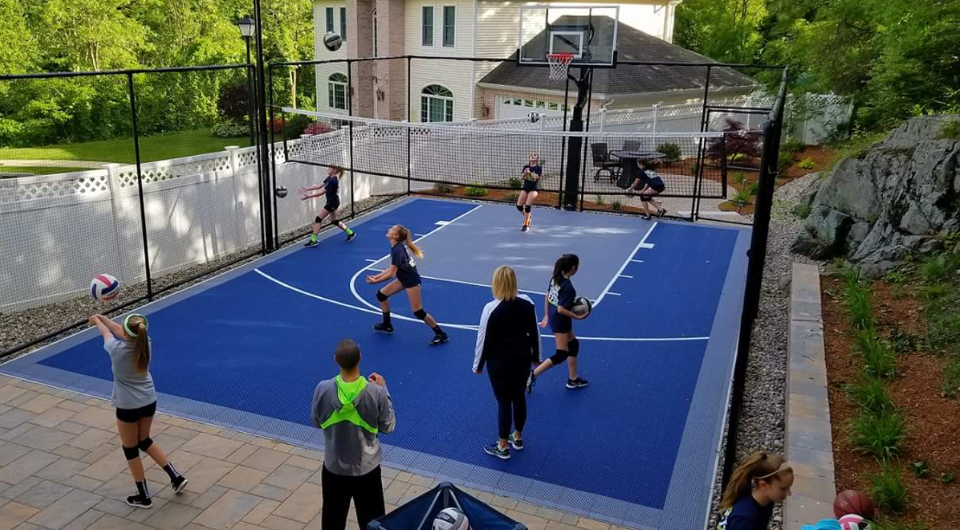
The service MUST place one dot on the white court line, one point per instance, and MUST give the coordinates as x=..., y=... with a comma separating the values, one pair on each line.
x=372, y=260
x=643, y=242
x=625, y=276
x=610, y=293
x=636, y=261
x=451, y=280
x=462, y=326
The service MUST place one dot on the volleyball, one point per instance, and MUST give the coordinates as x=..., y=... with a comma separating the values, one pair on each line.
x=332, y=41
x=534, y=117
x=451, y=519
x=104, y=287
x=582, y=305
x=281, y=191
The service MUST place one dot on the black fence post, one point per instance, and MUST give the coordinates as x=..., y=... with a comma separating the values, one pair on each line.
x=272, y=160
x=353, y=174
x=263, y=163
x=409, y=122
x=143, y=212
x=701, y=149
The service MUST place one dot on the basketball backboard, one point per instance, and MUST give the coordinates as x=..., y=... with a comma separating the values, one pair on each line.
x=588, y=32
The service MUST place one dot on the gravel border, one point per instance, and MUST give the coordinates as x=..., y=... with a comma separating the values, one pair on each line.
x=762, y=416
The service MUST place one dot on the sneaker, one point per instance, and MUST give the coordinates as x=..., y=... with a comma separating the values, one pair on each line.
x=385, y=328
x=515, y=443
x=532, y=380
x=494, y=450
x=524, y=228
x=139, y=501
x=178, y=484
x=661, y=212
x=579, y=382
x=439, y=339
x=646, y=216
x=311, y=243
x=351, y=236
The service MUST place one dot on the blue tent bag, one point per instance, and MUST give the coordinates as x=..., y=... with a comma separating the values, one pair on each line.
x=418, y=514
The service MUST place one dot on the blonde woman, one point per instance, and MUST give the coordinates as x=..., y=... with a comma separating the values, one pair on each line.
x=508, y=342
x=135, y=399
x=403, y=271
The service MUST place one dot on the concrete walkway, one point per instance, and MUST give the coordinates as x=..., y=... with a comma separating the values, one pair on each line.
x=61, y=468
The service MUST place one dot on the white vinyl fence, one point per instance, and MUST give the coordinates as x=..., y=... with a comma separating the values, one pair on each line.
x=58, y=231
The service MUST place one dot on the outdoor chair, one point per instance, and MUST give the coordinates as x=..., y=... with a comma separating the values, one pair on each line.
x=603, y=162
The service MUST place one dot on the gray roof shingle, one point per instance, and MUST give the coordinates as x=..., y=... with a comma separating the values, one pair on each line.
x=633, y=45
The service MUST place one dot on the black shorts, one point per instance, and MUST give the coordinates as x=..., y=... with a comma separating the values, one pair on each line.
x=134, y=415
x=409, y=281
x=331, y=206
x=529, y=185
x=657, y=184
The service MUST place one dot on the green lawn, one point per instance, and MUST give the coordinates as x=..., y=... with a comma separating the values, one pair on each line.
x=38, y=170
x=161, y=147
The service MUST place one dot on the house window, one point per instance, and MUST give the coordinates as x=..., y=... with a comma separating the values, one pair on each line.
x=554, y=106
x=329, y=15
x=427, y=14
x=449, y=25
x=337, y=91
x=343, y=23
x=436, y=104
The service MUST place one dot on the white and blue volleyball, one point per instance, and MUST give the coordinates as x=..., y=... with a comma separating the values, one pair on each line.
x=104, y=287
x=451, y=519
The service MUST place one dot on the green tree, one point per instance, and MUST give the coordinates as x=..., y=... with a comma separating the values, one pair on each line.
x=19, y=52
x=288, y=31
x=92, y=34
x=725, y=30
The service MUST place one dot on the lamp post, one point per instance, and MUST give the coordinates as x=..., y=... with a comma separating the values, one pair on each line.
x=247, y=25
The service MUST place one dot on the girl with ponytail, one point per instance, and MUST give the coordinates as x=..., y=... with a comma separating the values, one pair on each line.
x=558, y=313
x=761, y=480
x=135, y=399
x=403, y=271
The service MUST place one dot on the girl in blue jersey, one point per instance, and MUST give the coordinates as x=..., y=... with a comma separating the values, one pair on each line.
x=403, y=270
x=528, y=193
x=761, y=480
x=558, y=313
x=330, y=187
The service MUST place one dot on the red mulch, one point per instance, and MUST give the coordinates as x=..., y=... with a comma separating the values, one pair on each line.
x=933, y=422
x=821, y=159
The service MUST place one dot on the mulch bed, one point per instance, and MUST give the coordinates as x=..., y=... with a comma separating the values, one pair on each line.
x=821, y=157
x=933, y=422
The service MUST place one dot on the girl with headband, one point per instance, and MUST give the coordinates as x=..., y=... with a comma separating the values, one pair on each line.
x=761, y=480
x=135, y=399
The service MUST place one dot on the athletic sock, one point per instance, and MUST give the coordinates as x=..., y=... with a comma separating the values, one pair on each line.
x=171, y=471
x=386, y=318
x=142, y=489
x=348, y=231
x=313, y=238
x=437, y=331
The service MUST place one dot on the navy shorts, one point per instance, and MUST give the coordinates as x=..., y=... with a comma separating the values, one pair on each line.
x=407, y=281
x=134, y=415
x=561, y=324
x=331, y=206
x=529, y=185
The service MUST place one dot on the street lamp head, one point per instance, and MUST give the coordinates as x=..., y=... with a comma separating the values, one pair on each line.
x=246, y=25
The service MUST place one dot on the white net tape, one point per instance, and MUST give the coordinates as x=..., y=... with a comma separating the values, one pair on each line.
x=559, y=62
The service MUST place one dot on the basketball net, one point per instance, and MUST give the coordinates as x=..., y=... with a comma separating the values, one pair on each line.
x=559, y=62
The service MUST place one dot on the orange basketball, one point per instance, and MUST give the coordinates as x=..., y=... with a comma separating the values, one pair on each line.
x=853, y=501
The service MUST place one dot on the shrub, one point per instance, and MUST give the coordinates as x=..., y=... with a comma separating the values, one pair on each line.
x=671, y=152
x=920, y=468
x=440, y=187
x=616, y=205
x=871, y=394
x=739, y=144
x=784, y=163
x=951, y=378
x=753, y=188
x=806, y=163
x=938, y=268
x=878, y=433
x=599, y=200
x=740, y=179
x=946, y=478
x=803, y=210
x=511, y=197
x=475, y=191
x=858, y=304
x=230, y=129
x=794, y=145
x=317, y=128
x=887, y=490
x=950, y=130
x=879, y=361
x=741, y=198
x=234, y=102
x=296, y=125
x=516, y=183
x=694, y=167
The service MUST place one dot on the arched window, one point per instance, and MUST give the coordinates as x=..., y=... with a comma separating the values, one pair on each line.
x=436, y=104
x=337, y=91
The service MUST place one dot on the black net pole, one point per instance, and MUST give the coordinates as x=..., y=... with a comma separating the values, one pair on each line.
x=701, y=152
x=583, y=156
x=757, y=258
x=563, y=143
x=353, y=174
x=271, y=153
x=143, y=213
x=409, y=120
x=264, y=165
x=259, y=153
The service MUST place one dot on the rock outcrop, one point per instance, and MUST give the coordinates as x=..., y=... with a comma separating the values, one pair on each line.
x=896, y=199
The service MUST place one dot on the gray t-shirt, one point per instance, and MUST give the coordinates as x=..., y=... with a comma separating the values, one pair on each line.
x=131, y=390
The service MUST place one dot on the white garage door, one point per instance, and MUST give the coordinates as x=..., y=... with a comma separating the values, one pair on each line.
x=508, y=108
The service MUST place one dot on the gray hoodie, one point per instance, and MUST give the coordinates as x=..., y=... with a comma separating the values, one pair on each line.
x=352, y=415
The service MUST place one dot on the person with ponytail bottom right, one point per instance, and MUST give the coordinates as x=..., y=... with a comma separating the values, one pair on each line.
x=135, y=399
x=760, y=480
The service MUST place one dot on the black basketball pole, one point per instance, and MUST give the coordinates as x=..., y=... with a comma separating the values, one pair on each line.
x=263, y=163
x=575, y=143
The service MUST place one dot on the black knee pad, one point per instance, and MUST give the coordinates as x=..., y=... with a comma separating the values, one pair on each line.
x=560, y=356
x=145, y=444
x=574, y=346
x=132, y=453
x=318, y=220
x=420, y=313
x=519, y=208
x=645, y=198
x=380, y=296
x=527, y=208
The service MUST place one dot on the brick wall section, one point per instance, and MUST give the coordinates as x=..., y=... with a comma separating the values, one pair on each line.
x=391, y=75
x=360, y=20
x=809, y=442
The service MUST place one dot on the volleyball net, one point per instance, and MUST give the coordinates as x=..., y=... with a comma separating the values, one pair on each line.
x=476, y=155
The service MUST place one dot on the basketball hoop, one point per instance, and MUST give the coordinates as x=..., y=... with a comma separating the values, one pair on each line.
x=559, y=62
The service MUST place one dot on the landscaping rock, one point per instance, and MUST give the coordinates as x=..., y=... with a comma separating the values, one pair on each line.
x=897, y=199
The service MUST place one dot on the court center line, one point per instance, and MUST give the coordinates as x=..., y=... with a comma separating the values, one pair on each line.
x=636, y=261
x=611, y=293
x=626, y=276
x=640, y=245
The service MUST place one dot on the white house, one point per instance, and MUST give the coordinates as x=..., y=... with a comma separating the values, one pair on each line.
x=457, y=90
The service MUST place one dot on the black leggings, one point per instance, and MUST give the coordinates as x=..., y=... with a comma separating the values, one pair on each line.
x=509, y=387
x=366, y=491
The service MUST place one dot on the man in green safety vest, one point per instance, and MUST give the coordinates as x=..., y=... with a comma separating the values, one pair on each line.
x=352, y=412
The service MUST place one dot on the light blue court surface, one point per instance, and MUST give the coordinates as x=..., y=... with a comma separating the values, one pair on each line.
x=638, y=447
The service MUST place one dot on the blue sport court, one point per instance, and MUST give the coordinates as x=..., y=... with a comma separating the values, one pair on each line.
x=638, y=447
